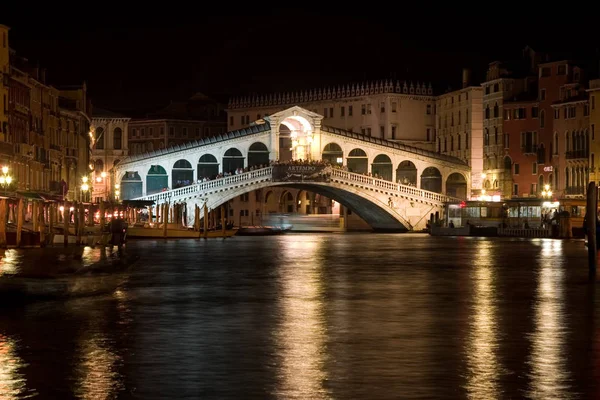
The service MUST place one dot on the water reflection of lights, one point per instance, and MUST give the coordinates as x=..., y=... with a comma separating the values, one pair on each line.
x=482, y=379
x=99, y=378
x=301, y=336
x=11, y=262
x=12, y=383
x=549, y=378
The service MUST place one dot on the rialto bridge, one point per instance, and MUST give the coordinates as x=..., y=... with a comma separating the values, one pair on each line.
x=391, y=186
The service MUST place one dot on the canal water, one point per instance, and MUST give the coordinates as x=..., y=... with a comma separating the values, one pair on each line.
x=319, y=316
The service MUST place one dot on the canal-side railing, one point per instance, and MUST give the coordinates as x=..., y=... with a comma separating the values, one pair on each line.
x=265, y=174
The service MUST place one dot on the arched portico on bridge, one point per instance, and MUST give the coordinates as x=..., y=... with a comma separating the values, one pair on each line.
x=306, y=139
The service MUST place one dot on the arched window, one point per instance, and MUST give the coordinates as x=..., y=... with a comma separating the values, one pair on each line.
x=496, y=110
x=567, y=141
x=487, y=112
x=117, y=139
x=486, y=137
x=555, y=149
x=495, y=135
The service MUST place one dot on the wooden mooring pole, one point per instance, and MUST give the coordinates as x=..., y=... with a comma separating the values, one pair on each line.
x=592, y=221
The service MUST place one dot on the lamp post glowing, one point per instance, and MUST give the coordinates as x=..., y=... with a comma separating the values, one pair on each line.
x=546, y=193
x=117, y=191
x=5, y=178
x=84, y=188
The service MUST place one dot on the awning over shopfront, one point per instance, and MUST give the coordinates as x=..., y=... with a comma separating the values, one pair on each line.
x=31, y=195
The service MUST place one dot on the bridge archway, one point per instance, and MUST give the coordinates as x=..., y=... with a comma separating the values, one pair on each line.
x=285, y=143
x=232, y=160
x=208, y=167
x=156, y=180
x=456, y=185
x=182, y=174
x=296, y=141
x=258, y=154
x=357, y=161
x=382, y=166
x=431, y=179
x=406, y=173
x=333, y=154
x=131, y=185
x=287, y=202
x=271, y=203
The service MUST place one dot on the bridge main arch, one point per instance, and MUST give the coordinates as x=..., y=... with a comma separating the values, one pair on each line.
x=376, y=208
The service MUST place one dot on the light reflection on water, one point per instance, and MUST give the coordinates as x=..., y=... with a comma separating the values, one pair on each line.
x=13, y=384
x=314, y=317
x=549, y=376
x=301, y=336
x=10, y=261
x=98, y=361
x=482, y=343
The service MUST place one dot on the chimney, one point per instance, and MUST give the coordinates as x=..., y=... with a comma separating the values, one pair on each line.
x=43, y=75
x=466, y=77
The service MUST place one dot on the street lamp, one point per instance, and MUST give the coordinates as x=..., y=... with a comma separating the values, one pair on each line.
x=117, y=191
x=84, y=188
x=546, y=193
x=5, y=178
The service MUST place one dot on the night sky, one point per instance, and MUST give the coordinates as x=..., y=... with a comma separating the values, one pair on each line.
x=134, y=61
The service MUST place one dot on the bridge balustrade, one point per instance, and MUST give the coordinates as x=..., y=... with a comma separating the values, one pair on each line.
x=188, y=191
x=398, y=187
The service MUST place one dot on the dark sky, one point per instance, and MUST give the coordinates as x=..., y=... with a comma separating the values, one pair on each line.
x=134, y=60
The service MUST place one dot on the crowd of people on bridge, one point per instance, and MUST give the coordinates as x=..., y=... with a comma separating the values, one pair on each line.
x=320, y=163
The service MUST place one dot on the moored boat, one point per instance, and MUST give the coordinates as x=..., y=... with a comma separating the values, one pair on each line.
x=262, y=230
x=177, y=233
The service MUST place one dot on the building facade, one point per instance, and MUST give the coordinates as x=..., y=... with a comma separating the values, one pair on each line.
x=459, y=128
x=4, y=77
x=401, y=111
x=44, y=140
x=571, y=142
x=504, y=82
x=178, y=123
x=594, y=119
x=109, y=146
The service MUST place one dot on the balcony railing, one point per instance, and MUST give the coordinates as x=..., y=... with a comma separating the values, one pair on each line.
x=571, y=155
x=575, y=190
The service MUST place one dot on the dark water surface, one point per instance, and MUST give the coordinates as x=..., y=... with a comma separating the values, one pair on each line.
x=320, y=316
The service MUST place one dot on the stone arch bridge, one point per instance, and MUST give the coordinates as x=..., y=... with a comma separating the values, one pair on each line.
x=390, y=185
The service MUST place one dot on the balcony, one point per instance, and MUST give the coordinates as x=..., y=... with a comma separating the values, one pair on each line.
x=55, y=147
x=577, y=154
x=575, y=190
x=529, y=149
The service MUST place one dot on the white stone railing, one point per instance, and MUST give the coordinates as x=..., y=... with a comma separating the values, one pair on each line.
x=191, y=190
x=261, y=174
x=397, y=187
